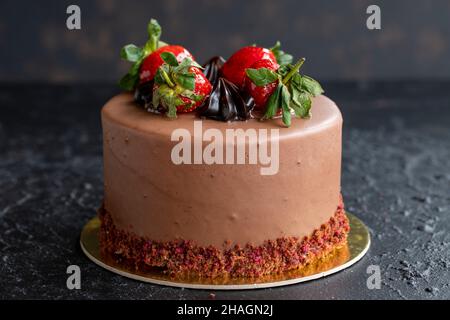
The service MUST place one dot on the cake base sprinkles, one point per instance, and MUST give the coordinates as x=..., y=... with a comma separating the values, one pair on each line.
x=335, y=259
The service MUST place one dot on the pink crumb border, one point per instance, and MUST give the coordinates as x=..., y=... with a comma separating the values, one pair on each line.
x=183, y=257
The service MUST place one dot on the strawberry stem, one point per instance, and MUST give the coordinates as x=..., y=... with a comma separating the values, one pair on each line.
x=167, y=78
x=293, y=71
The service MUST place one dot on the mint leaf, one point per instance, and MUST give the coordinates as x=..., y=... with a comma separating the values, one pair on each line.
x=262, y=76
x=169, y=58
x=285, y=101
x=312, y=86
x=282, y=57
x=273, y=103
x=131, y=53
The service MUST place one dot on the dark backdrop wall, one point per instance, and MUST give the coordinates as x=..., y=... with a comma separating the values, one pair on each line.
x=414, y=41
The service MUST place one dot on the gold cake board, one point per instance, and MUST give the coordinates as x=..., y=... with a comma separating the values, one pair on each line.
x=357, y=245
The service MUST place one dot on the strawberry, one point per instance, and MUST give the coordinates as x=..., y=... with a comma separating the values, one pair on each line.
x=146, y=60
x=179, y=87
x=261, y=94
x=234, y=68
x=281, y=91
x=153, y=61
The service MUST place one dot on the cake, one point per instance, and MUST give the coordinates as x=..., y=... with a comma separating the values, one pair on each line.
x=205, y=187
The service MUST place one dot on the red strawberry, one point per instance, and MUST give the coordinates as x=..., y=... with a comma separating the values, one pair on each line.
x=147, y=59
x=179, y=87
x=261, y=94
x=281, y=91
x=202, y=89
x=234, y=69
x=152, y=62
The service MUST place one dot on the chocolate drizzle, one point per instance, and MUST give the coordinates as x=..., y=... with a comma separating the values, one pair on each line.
x=226, y=102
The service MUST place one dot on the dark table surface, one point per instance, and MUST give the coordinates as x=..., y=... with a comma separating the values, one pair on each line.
x=396, y=178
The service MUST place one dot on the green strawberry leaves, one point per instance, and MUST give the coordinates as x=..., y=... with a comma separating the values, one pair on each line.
x=136, y=55
x=300, y=103
x=166, y=97
x=273, y=103
x=303, y=88
x=186, y=80
x=131, y=53
x=282, y=57
x=154, y=33
x=180, y=71
x=262, y=76
x=131, y=79
x=173, y=73
x=175, y=80
x=285, y=105
x=293, y=94
x=186, y=64
x=169, y=58
x=312, y=86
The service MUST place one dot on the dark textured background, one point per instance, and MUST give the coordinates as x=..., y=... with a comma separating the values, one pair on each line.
x=396, y=143
x=414, y=40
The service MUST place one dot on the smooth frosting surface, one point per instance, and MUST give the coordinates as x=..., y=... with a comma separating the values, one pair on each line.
x=146, y=193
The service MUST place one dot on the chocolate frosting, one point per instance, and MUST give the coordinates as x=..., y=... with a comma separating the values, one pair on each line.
x=211, y=203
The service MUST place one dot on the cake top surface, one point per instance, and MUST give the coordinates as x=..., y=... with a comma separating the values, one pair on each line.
x=121, y=109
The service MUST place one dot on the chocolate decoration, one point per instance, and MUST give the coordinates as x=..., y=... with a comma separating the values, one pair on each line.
x=212, y=68
x=143, y=94
x=226, y=102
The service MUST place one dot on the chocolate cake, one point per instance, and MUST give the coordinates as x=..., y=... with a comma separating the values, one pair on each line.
x=222, y=178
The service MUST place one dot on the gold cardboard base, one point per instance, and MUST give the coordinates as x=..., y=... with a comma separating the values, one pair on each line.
x=357, y=245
